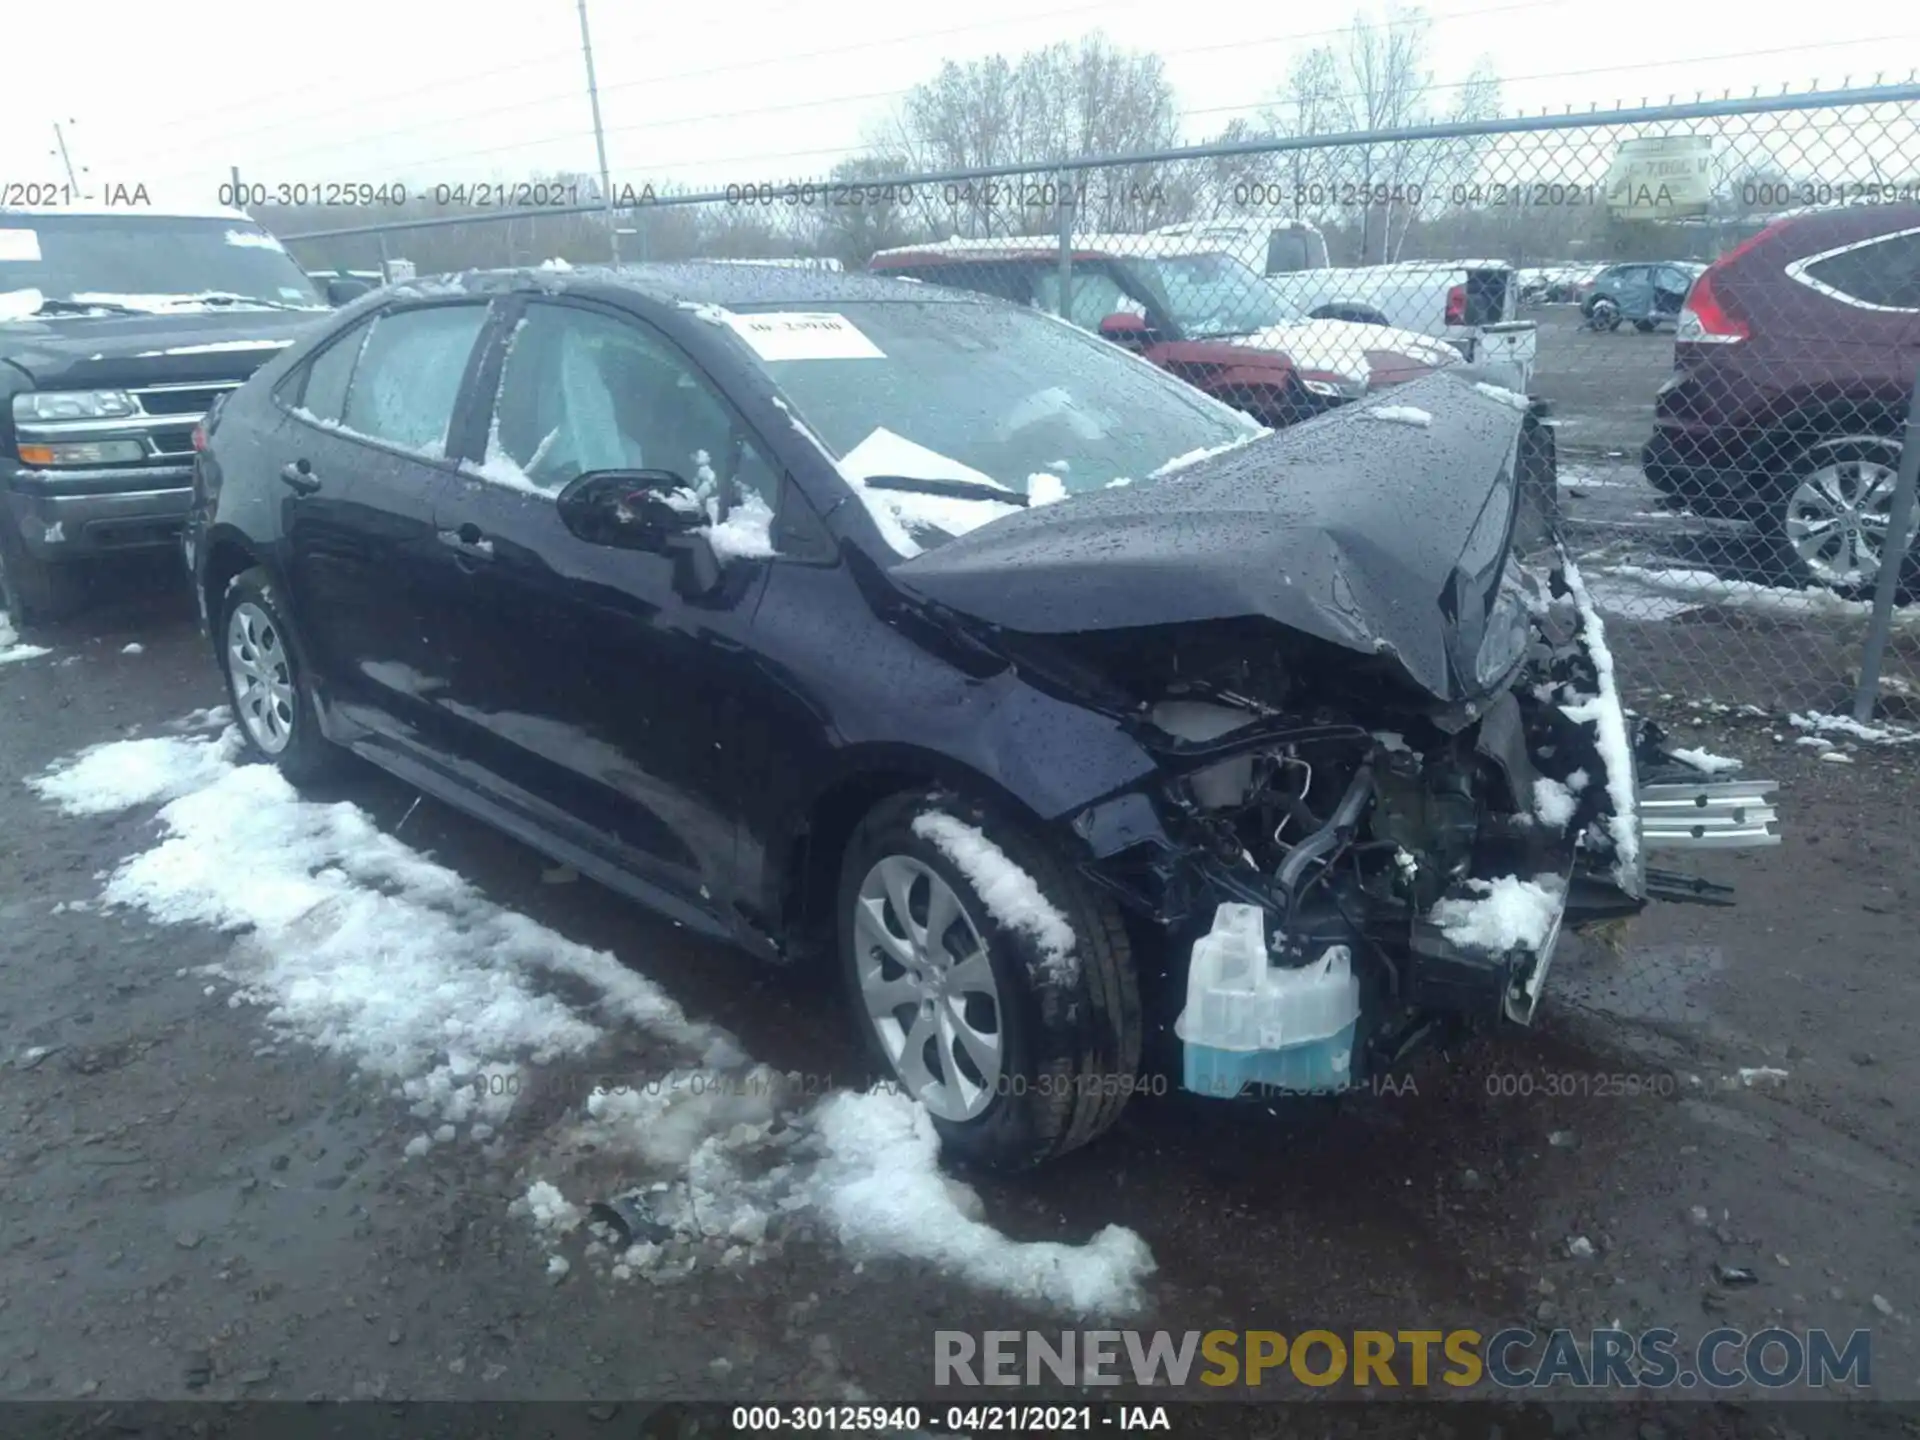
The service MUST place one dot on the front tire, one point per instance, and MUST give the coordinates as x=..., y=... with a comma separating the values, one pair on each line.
x=1605, y=315
x=272, y=701
x=1830, y=511
x=1019, y=1054
x=38, y=590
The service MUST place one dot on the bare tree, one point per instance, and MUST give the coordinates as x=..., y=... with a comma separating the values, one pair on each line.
x=1066, y=101
x=1375, y=78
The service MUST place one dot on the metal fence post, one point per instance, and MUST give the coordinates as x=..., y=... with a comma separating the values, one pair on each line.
x=1064, y=207
x=1893, y=561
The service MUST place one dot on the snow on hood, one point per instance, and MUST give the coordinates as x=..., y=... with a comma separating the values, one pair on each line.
x=254, y=240
x=1340, y=346
x=216, y=347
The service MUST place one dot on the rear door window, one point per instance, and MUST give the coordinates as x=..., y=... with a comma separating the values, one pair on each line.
x=324, y=396
x=1883, y=273
x=408, y=376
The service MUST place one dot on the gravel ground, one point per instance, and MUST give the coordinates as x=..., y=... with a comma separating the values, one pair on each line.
x=198, y=1209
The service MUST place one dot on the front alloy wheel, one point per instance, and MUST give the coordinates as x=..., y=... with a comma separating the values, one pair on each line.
x=1019, y=1050
x=928, y=987
x=1836, y=513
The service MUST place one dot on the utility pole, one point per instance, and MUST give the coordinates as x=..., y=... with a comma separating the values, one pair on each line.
x=67, y=160
x=599, y=135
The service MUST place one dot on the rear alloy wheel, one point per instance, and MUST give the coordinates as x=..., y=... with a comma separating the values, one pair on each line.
x=1018, y=1053
x=1833, y=511
x=262, y=671
x=1605, y=315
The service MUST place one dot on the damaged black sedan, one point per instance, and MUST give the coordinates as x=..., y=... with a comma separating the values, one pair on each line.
x=1100, y=739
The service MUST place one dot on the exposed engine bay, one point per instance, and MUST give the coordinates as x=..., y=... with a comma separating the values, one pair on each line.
x=1438, y=845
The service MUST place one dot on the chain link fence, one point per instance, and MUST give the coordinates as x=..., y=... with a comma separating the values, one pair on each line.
x=1715, y=307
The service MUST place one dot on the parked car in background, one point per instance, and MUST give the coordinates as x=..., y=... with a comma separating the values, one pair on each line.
x=1473, y=304
x=1564, y=284
x=1793, y=371
x=1078, y=724
x=119, y=328
x=1201, y=315
x=1643, y=295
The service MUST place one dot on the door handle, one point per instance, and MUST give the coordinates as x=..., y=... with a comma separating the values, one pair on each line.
x=298, y=477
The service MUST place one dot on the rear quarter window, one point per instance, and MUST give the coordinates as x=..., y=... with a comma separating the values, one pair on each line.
x=408, y=376
x=1883, y=273
x=321, y=390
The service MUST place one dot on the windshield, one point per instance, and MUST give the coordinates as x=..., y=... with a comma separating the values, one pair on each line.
x=1213, y=295
x=147, y=262
x=988, y=395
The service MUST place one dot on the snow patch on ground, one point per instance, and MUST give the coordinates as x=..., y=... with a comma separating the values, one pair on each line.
x=881, y=1189
x=1848, y=726
x=1511, y=913
x=1702, y=587
x=355, y=943
x=11, y=650
x=1705, y=763
x=1009, y=893
x=125, y=773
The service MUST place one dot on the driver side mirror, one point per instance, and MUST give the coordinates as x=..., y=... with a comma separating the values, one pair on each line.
x=1132, y=331
x=343, y=291
x=630, y=509
x=651, y=510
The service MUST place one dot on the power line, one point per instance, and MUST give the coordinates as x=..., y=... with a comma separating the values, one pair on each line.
x=737, y=67
x=572, y=93
x=1507, y=7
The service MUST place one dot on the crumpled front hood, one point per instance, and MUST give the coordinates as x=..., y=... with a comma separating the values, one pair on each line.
x=1365, y=528
x=113, y=351
x=1361, y=353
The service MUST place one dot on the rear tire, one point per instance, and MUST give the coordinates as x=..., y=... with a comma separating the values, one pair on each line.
x=1645, y=327
x=38, y=590
x=1061, y=1039
x=271, y=696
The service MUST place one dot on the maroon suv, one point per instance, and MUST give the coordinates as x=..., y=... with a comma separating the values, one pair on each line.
x=1793, y=367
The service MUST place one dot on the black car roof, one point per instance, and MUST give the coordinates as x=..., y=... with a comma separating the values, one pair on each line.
x=698, y=283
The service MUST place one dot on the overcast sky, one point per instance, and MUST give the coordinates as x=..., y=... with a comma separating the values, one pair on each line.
x=373, y=90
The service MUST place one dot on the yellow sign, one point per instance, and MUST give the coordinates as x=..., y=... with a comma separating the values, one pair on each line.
x=1667, y=177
